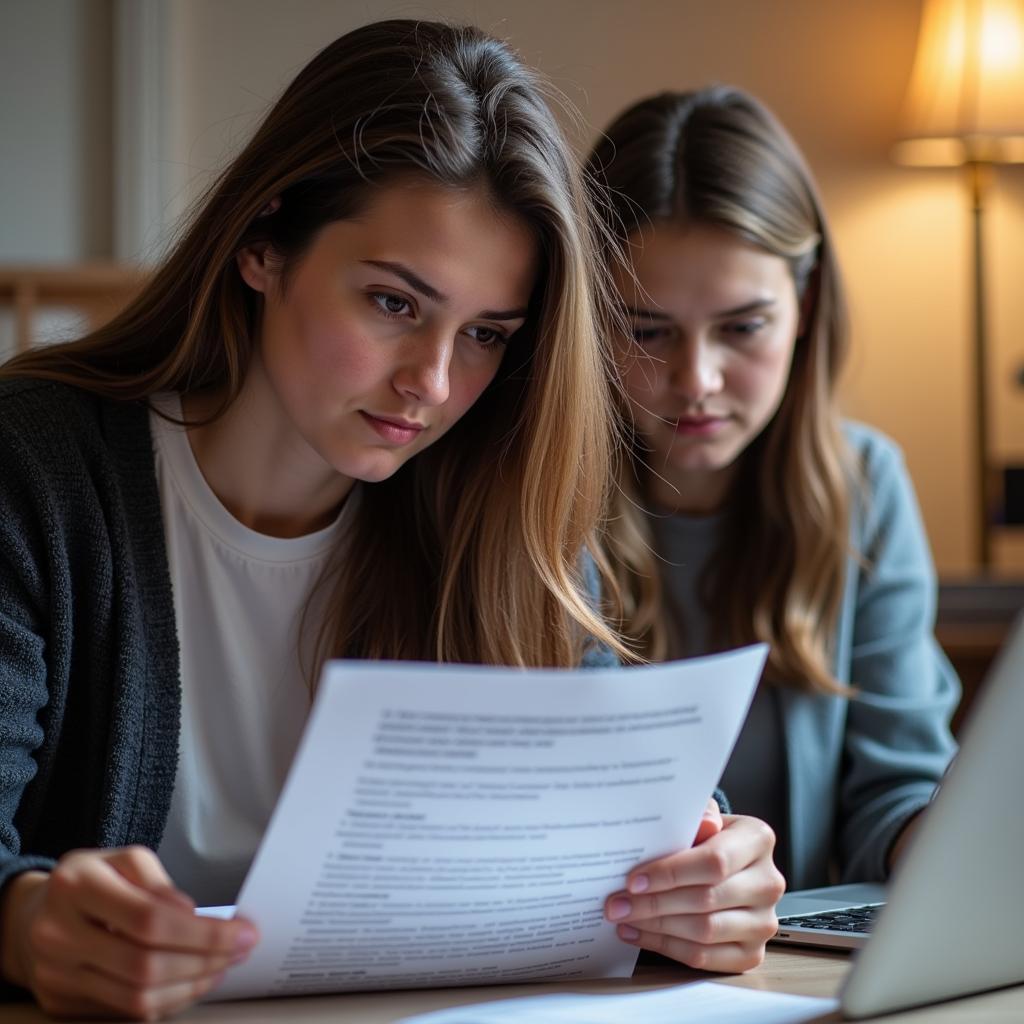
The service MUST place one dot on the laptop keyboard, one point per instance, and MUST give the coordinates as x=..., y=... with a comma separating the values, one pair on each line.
x=849, y=919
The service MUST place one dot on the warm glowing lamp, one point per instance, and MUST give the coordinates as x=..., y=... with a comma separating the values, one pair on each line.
x=965, y=106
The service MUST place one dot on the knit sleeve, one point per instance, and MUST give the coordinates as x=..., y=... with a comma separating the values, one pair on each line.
x=897, y=742
x=23, y=670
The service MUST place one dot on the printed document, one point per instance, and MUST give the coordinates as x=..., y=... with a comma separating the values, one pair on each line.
x=704, y=1001
x=457, y=825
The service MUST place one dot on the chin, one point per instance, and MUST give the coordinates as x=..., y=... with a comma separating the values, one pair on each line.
x=367, y=470
x=376, y=474
x=702, y=461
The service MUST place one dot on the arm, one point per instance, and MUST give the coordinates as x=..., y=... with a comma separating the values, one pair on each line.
x=99, y=932
x=897, y=742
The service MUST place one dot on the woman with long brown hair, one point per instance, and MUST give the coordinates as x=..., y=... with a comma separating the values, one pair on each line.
x=748, y=510
x=362, y=409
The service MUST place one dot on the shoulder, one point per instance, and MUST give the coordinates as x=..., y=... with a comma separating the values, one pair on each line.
x=886, y=522
x=62, y=448
x=47, y=421
x=881, y=483
x=38, y=410
x=877, y=455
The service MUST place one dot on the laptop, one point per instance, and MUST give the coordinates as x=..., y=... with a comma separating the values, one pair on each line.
x=950, y=921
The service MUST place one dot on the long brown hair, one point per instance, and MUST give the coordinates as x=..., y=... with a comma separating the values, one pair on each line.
x=472, y=550
x=718, y=157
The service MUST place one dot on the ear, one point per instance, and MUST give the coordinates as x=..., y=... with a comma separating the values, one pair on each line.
x=256, y=266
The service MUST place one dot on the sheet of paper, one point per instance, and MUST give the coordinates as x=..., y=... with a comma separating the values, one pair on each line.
x=702, y=1001
x=458, y=825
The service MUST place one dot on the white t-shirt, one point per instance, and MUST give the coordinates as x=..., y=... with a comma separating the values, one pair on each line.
x=238, y=598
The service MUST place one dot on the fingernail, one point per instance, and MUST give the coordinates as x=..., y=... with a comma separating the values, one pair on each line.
x=246, y=938
x=619, y=908
x=638, y=883
x=628, y=933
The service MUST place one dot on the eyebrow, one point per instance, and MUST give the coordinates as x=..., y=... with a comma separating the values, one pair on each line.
x=657, y=315
x=428, y=291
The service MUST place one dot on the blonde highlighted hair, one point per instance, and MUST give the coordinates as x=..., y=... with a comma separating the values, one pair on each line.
x=717, y=157
x=472, y=551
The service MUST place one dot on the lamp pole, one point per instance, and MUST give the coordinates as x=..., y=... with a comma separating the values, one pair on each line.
x=980, y=177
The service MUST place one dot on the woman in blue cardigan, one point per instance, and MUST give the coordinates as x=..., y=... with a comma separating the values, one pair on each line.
x=748, y=509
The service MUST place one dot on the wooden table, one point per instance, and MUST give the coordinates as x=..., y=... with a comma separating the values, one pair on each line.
x=804, y=973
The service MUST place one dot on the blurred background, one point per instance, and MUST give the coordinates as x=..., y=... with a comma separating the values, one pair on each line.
x=116, y=114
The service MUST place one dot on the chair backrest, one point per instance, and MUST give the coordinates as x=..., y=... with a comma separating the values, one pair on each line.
x=77, y=297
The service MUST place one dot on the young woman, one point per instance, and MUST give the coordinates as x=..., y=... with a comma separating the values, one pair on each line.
x=362, y=410
x=747, y=509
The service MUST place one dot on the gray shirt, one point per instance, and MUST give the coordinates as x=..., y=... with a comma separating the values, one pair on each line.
x=755, y=777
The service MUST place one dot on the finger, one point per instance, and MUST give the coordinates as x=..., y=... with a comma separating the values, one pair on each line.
x=728, y=957
x=141, y=866
x=760, y=885
x=741, y=842
x=746, y=926
x=99, y=892
x=125, y=961
x=72, y=942
x=81, y=990
x=710, y=822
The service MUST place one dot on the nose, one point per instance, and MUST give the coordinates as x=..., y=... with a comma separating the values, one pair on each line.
x=694, y=370
x=423, y=373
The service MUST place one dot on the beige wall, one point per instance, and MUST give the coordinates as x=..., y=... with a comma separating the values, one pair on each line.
x=835, y=71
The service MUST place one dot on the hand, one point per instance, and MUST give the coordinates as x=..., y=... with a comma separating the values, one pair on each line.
x=106, y=933
x=902, y=840
x=712, y=906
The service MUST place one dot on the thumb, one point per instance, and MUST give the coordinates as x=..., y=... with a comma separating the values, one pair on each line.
x=142, y=867
x=710, y=822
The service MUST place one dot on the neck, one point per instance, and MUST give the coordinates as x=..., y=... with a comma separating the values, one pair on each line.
x=693, y=492
x=261, y=471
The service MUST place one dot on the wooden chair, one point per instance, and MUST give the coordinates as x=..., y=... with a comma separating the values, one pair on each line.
x=92, y=291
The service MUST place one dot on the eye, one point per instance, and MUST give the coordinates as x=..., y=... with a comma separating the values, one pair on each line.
x=745, y=328
x=487, y=337
x=390, y=304
x=650, y=335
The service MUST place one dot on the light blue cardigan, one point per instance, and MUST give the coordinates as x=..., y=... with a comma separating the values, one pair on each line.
x=859, y=768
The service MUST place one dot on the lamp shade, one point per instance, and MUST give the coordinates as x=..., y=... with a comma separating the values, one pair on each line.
x=965, y=101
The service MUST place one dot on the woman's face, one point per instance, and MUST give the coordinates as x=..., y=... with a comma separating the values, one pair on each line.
x=714, y=322
x=389, y=327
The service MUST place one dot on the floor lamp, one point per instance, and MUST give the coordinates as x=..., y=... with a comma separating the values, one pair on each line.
x=965, y=107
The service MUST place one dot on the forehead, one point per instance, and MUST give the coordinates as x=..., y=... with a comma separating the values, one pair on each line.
x=700, y=266
x=456, y=239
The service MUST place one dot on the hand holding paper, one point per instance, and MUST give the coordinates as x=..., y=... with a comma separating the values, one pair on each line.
x=712, y=906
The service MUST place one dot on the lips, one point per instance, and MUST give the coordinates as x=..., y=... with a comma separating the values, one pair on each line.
x=698, y=426
x=394, y=429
